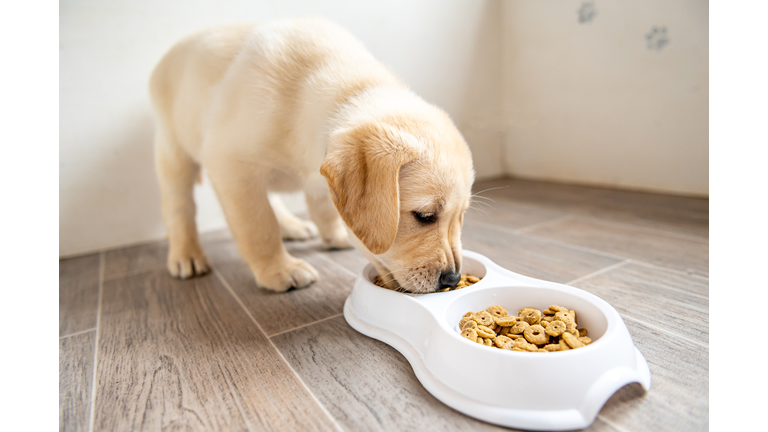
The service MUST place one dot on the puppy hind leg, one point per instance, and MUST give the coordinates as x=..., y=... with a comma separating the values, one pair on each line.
x=177, y=173
x=257, y=231
x=326, y=217
x=291, y=227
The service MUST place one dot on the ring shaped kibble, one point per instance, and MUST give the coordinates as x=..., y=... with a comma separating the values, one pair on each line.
x=469, y=325
x=497, y=311
x=532, y=316
x=484, y=318
x=572, y=340
x=485, y=332
x=565, y=317
x=500, y=341
x=555, y=328
x=507, y=321
x=518, y=327
x=535, y=335
x=470, y=334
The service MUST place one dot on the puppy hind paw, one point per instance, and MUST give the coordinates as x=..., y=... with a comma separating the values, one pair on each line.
x=338, y=241
x=188, y=266
x=298, y=274
x=297, y=229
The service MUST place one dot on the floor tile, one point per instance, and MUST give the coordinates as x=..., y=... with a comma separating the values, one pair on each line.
x=668, y=251
x=350, y=259
x=75, y=381
x=78, y=294
x=133, y=259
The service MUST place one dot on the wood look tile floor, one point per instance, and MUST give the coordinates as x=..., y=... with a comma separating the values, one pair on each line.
x=141, y=351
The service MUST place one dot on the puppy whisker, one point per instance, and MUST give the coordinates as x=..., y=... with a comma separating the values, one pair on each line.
x=490, y=189
x=482, y=197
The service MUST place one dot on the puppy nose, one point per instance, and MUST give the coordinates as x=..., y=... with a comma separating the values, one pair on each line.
x=449, y=279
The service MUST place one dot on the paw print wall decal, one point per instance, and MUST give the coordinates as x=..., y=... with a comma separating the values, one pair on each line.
x=587, y=12
x=657, y=38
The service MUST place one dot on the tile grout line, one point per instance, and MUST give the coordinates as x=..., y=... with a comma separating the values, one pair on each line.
x=77, y=333
x=344, y=269
x=132, y=273
x=237, y=299
x=702, y=344
x=574, y=246
x=601, y=271
x=611, y=423
x=544, y=223
x=102, y=259
x=306, y=325
x=680, y=272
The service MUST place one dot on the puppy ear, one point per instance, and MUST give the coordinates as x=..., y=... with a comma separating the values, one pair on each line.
x=361, y=167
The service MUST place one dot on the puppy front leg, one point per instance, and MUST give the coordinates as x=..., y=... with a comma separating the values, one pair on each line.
x=257, y=232
x=326, y=217
x=176, y=174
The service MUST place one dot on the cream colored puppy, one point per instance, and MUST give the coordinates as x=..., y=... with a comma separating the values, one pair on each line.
x=300, y=104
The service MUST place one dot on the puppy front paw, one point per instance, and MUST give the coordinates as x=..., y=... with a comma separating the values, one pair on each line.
x=337, y=240
x=297, y=229
x=185, y=264
x=296, y=274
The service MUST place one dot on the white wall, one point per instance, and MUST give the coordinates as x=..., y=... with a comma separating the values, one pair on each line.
x=446, y=50
x=592, y=103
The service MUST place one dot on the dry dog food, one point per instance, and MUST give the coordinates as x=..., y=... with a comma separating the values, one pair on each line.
x=466, y=280
x=532, y=330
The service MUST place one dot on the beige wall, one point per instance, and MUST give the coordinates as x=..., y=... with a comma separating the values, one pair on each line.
x=447, y=50
x=592, y=103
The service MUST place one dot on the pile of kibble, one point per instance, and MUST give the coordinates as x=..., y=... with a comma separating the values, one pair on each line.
x=532, y=330
x=466, y=280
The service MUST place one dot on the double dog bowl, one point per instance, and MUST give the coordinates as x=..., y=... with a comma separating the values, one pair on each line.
x=559, y=390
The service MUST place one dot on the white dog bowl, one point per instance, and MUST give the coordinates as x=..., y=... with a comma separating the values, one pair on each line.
x=559, y=390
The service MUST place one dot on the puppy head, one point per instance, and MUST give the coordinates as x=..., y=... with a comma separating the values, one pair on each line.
x=402, y=185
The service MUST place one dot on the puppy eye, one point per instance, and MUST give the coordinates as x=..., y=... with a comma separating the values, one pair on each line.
x=425, y=218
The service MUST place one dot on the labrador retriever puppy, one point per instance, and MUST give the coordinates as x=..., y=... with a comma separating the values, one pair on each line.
x=301, y=105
